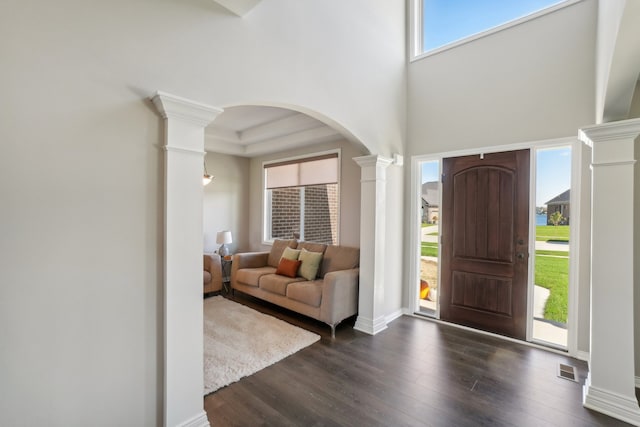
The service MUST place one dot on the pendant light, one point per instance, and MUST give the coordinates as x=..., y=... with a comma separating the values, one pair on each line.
x=206, y=178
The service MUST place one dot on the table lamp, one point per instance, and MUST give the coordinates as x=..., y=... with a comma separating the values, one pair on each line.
x=223, y=238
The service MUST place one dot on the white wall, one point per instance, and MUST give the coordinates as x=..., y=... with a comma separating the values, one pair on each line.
x=80, y=272
x=395, y=245
x=226, y=201
x=533, y=81
x=609, y=14
x=349, y=231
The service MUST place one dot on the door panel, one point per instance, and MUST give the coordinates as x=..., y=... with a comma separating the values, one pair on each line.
x=485, y=234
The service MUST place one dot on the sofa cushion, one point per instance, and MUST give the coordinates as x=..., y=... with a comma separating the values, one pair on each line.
x=312, y=247
x=206, y=277
x=277, y=249
x=288, y=267
x=276, y=283
x=310, y=264
x=309, y=293
x=290, y=253
x=339, y=258
x=251, y=276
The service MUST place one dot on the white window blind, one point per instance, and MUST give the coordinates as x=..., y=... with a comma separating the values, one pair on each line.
x=303, y=172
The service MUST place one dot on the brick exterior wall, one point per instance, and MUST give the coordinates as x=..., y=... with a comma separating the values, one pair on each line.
x=320, y=213
x=285, y=212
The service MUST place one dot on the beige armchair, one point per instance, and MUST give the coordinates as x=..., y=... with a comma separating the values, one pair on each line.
x=212, y=274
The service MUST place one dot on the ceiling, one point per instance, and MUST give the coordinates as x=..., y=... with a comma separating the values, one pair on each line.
x=251, y=131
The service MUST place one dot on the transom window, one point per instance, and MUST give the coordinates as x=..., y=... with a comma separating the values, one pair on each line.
x=445, y=23
x=302, y=198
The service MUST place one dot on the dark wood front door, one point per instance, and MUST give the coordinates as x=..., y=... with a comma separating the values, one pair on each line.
x=485, y=241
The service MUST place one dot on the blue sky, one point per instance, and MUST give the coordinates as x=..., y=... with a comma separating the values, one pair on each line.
x=445, y=21
x=553, y=173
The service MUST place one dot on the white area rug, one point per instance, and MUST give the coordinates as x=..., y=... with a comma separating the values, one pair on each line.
x=239, y=341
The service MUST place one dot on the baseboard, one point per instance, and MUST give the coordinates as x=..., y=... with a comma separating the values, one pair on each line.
x=612, y=404
x=199, y=420
x=370, y=326
x=393, y=316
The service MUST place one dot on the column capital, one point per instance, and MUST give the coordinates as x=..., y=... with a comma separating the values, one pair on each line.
x=373, y=160
x=175, y=107
x=612, y=143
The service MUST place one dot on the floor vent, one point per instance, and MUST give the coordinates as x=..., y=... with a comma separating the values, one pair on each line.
x=567, y=372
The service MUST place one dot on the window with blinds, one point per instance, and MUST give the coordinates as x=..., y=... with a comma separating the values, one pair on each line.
x=302, y=198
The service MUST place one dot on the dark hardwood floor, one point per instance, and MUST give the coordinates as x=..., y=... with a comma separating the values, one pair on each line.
x=415, y=373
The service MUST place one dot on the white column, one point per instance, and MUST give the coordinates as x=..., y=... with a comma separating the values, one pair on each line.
x=610, y=385
x=185, y=121
x=371, y=316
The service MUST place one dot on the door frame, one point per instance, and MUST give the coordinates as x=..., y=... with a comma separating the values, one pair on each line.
x=412, y=289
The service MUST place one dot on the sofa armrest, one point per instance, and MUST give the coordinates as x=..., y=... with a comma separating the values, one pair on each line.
x=339, y=295
x=247, y=260
x=250, y=260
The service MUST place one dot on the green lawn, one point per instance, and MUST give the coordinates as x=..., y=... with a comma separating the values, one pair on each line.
x=429, y=249
x=553, y=273
x=552, y=232
x=554, y=253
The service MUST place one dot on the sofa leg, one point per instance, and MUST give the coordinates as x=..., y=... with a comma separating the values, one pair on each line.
x=333, y=331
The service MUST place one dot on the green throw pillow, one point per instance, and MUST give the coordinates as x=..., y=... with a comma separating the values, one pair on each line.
x=310, y=264
x=290, y=253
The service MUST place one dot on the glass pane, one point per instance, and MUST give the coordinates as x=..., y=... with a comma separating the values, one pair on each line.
x=551, y=284
x=447, y=21
x=429, y=236
x=285, y=212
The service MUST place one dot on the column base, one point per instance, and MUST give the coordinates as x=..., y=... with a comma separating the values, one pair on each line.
x=370, y=326
x=613, y=404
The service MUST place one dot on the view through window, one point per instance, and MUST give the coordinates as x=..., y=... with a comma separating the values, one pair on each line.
x=302, y=199
x=447, y=21
x=429, y=236
x=551, y=283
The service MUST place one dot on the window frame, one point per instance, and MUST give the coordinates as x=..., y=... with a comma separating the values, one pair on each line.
x=416, y=28
x=266, y=196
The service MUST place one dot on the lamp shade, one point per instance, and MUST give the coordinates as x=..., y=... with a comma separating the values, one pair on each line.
x=223, y=237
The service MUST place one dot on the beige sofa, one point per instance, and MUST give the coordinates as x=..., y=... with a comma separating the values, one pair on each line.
x=330, y=298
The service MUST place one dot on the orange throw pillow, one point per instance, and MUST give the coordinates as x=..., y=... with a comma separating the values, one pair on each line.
x=288, y=267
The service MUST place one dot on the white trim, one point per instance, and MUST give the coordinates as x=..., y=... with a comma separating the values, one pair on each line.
x=621, y=163
x=370, y=326
x=199, y=420
x=582, y=355
x=415, y=29
x=574, y=239
x=185, y=150
x=176, y=107
x=394, y=315
x=612, y=404
x=531, y=261
x=622, y=129
x=519, y=21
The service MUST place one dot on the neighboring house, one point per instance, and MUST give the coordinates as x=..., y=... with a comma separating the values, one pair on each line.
x=430, y=202
x=561, y=203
